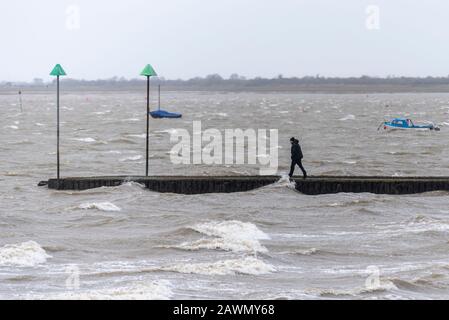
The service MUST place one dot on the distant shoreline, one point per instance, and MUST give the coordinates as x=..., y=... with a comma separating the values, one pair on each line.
x=215, y=83
x=309, y=89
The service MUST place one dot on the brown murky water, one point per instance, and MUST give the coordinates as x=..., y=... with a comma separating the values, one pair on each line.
x=272, y=243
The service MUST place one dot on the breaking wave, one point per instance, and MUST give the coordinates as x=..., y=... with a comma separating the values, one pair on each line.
x=284, y=182
x=26, y=254
x=158, y=290
x=231, y=229
x=382, y=287
x=102, y=206
x=248, y=266
x=234, y=236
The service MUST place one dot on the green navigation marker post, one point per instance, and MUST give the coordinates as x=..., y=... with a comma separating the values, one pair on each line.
x=148, y=72
x=57, y=72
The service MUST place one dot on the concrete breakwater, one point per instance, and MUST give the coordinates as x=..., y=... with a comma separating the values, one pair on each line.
x=228, y=184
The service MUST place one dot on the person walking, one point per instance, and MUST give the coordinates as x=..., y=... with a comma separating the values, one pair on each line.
x=297, y=157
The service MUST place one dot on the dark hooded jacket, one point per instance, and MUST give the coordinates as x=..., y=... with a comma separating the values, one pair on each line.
x=296, y=151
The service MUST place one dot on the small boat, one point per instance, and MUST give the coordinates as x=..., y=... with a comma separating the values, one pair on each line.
x=162, y=114
x=407, y=124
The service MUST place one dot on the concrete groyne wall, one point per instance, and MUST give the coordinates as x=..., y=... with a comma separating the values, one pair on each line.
x=229, y=184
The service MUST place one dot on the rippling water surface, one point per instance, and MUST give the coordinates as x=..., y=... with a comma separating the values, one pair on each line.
x=271, y=243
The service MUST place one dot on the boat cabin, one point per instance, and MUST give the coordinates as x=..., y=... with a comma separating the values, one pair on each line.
x=406, y=123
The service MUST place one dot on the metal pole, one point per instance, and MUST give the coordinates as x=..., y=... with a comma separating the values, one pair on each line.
x=148, y=122
x=159, y=98
x=57, y=106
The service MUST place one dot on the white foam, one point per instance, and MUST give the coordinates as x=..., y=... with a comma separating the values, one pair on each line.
x=382, y=287
x=89, y=140
x=158, y=290
x=234, y=229
x=229, y=236
x=284, y=182
x=420, y=224
x=102, y=112
x=169, y=131
x=348, y=117
x=307, y=252
x=12, y=127
x=132, y=185
x=26, y=254
x=133, y=158
x=249, y=265
x=222, y=244
x=103, y=206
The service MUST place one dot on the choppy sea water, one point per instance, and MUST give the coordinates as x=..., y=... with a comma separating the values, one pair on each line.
x=272, y=243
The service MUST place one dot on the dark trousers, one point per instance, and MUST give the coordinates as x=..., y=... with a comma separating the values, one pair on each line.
x=299, y=163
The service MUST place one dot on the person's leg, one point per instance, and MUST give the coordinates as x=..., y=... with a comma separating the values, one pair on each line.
x=292, y=169
x=302, y=169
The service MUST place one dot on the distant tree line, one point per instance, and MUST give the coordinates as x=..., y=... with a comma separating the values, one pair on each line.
x=235, y=81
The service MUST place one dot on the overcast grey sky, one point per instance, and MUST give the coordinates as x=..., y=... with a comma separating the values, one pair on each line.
x=187, y=38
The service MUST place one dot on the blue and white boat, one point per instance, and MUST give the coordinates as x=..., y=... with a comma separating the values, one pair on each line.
x=407, y=124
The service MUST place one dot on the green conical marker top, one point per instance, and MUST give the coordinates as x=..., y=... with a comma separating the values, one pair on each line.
x=58, y=71
x=148, y=71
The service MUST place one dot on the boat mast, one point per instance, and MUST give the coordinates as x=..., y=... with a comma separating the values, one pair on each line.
x=159, y=97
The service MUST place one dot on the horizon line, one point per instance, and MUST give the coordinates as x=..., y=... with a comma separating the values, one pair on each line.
x=218, y=77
